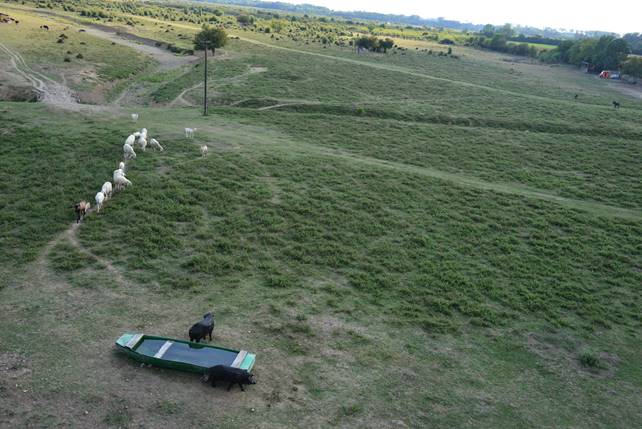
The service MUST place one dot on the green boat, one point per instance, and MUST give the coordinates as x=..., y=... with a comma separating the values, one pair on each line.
x=181, y=355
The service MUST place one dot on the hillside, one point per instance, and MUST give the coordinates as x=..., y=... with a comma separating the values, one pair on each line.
x=409, y=239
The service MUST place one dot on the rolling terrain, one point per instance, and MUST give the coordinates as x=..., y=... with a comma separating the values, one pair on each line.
x=405, y=240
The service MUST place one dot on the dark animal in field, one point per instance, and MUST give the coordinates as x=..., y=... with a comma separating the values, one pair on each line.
x=81, y=209
x=202, y=329
x=616, y=105
x=230, y=375
x=576, y=95
x=81, y=30
x=44, y=27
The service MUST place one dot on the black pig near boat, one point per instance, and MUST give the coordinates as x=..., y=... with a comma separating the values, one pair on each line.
x=202, y=329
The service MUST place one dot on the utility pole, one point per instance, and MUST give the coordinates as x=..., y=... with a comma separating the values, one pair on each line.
x=205, y=87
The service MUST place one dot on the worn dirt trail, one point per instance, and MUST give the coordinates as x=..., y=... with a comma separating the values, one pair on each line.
x=40, y=269
x=51, y=92
x=180, y=101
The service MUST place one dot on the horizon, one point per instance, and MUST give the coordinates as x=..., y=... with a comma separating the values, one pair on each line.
x=546, y=14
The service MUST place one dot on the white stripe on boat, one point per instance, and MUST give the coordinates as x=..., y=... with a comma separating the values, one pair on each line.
x=133, y=341
x=159, y=354
x=239, y=359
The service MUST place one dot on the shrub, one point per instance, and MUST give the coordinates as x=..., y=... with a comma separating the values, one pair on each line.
x=590, y=359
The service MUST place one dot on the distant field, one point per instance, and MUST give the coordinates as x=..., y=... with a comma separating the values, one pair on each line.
x=537, y=45
x=404, y=240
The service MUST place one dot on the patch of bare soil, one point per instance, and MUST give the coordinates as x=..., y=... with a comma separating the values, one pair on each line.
x=15, y=87
x=15, y=378
x=49, y=91
x=14, y=366
x=568, y=357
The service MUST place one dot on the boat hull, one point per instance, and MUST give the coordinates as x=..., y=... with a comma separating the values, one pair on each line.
x=181, y=355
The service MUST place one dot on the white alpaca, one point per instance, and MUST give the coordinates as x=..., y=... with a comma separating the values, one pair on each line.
x=107, y=189
x=189, y=133
x=153, y=143
x=136, y=134
x=143, y=133
x=118, y=173
x=121, y=166
x=121, y=182
x=204, y=150
x=142, y=141
x=128, y=151
x=130, y=140
x=134, y=117
x=100, y=197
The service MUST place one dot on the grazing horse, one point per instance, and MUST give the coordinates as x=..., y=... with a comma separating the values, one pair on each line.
x=616, y=105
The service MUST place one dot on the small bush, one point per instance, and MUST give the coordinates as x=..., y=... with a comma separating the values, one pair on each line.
x=67, y=60
x=280, y=281
x=590, y=359
x=79, y=56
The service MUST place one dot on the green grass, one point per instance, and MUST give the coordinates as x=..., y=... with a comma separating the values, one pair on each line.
x=397, y=250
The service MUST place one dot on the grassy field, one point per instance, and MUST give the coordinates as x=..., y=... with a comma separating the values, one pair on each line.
x=404, y=241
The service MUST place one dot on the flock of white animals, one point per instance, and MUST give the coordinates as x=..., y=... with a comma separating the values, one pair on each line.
x=139, y=138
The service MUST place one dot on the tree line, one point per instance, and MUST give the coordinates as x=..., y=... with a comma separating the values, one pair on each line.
x=605, y=53
x=500, y=43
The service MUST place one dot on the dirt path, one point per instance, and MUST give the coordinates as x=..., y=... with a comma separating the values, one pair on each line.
x=166, y=60
x=51, y=92
x=180, y=101
x=40, y=268
x=294, y=103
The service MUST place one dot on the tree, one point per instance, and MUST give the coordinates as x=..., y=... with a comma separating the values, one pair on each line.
x=277, y=25
x=507, y=30
x=245, y=19
x=635, y=41
x=633, y=66
x=215, y=38
x=616, y=52
x=489, y=30
x=386, y=44
x=584, y=50
x=498, y=43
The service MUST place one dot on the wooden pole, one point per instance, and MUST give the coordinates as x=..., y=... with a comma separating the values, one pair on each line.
x=205, y=86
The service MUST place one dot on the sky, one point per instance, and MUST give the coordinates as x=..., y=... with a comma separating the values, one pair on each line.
x=618, y=16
